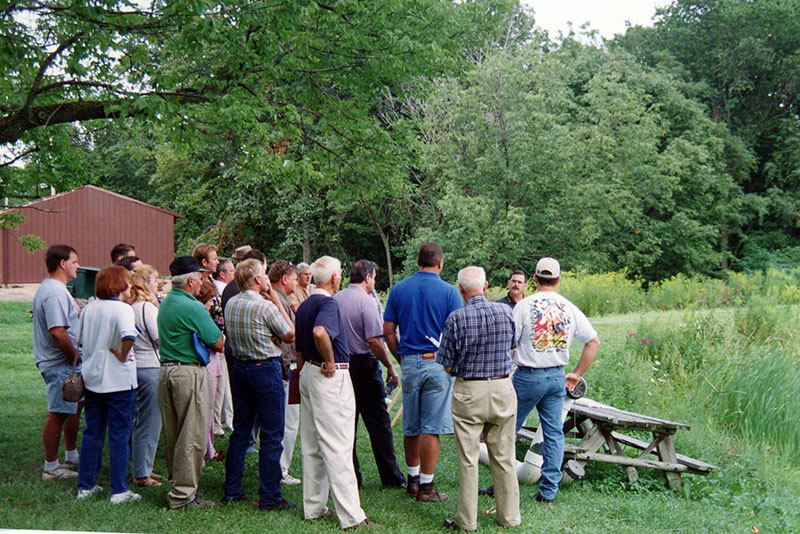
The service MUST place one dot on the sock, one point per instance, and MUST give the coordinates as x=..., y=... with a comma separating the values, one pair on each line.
x=425, y=478
x=412, y=471
x=71, y=456
x=49, y=466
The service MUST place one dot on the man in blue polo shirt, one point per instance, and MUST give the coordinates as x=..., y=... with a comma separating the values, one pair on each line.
x=419, y=305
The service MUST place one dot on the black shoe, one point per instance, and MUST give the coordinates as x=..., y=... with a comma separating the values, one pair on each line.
x=487, y=491
x=449, y=523
x=539, y=498
x=280, y=505
x=239, y=498
x=402, y=486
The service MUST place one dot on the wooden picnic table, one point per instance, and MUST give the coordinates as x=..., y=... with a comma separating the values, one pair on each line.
x=598, y=425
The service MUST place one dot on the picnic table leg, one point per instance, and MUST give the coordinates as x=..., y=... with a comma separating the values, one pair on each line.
x=616, y=448
x=592, y=439
x=666, y=453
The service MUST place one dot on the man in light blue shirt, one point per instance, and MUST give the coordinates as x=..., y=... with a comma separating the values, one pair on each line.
x=55, y=341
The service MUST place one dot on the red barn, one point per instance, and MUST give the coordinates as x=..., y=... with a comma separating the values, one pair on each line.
x=92, y=220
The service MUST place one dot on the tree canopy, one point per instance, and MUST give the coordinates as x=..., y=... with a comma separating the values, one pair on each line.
x=363, y=128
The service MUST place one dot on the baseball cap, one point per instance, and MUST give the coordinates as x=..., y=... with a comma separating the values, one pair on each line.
x=548, y=268
x=185, y=265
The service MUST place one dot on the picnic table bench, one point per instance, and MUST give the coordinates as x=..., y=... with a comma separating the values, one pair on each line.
x=598, y=425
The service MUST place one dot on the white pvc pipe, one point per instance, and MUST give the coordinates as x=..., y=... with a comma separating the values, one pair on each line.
x=530, y=470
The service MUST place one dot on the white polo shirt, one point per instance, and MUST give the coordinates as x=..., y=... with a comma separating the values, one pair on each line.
x=545, y=325
x=104, y=324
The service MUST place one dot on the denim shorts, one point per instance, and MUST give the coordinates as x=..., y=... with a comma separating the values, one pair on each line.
x=53, y=378
x=427, y=396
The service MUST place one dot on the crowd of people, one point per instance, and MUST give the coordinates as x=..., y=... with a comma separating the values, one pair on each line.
x=261, y=351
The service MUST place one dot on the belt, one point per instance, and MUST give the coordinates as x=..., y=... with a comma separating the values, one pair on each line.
x=364, y=356
x=490, y=378
x=173, y=364
x=336, y=365
x=252, y=363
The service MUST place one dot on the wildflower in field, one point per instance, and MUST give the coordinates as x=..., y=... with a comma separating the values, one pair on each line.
x=645, y=341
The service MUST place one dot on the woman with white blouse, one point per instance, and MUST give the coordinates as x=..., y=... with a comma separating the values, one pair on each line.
x=106, y=333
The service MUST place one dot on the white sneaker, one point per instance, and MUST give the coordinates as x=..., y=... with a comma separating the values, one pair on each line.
x=58, y=472
x=84, y=493
x=126, y=496
x=289, y=480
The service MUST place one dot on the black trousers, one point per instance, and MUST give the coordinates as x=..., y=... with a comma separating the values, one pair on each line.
x=371, y=406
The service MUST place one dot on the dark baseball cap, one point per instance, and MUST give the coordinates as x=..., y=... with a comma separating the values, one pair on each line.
x=185, y=265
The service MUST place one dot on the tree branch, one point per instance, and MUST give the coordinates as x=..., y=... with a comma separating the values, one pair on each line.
x=45, y=65
x=11, y=162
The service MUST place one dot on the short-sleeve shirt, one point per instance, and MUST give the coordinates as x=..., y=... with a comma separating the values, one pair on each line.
x=300, y=294
x=105, y=323
x=53, y=307
x=288, y=351
x=320, y=309
x=477, y=340
x=361, y=317
x=251, y=322
x=179, y=316
x=419, y=305
x=546, y=323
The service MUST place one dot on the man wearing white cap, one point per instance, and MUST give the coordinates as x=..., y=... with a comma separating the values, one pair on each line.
x=545, y=324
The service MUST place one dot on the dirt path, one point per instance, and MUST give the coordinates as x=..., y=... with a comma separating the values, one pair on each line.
x=18, y=292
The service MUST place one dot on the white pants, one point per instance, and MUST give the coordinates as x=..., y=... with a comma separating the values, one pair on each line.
x=327, y=428
x=291, y=424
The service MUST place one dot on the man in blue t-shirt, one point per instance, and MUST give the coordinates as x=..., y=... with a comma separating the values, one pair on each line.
x=327, y=402
x=419, y=305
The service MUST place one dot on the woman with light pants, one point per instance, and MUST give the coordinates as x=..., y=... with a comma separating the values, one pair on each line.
x=147, y=417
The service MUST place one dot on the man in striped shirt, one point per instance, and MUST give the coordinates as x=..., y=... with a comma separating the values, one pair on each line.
x=252, y=319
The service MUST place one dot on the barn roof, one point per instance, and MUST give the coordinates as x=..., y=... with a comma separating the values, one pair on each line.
x=94, y=188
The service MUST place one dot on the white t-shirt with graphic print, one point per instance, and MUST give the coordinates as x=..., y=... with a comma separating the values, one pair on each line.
x=545, y=325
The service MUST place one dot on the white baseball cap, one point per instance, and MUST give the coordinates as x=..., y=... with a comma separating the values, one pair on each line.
x=548, y=268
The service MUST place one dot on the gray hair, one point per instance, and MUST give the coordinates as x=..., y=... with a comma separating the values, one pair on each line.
x=472, y=278
x=324, y=268
x=182, y=280
x=302, y=267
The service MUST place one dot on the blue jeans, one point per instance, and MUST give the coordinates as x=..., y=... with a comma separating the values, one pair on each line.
x=146, y=422
x=545, y=389
x=257, y=390
x=113, y=411
x=427, y=396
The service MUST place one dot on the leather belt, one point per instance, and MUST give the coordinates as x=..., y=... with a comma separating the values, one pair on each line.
x=490, y=378
x=173, y=364
x=336, y=365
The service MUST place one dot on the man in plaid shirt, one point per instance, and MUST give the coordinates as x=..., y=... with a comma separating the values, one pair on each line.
x=476, y=346
x=252, y=319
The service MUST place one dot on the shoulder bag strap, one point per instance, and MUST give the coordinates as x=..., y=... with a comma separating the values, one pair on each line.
x=147, y=330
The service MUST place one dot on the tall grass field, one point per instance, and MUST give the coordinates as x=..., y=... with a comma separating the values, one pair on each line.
x=720, y=355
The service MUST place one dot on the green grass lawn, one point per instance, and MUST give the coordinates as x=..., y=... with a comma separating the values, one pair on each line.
x=754, y=487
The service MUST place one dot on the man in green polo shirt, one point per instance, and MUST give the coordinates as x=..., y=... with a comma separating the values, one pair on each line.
x=184, y=388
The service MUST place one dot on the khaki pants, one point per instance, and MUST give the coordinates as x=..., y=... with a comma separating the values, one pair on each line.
x=488, y=406
x=184, y=398
x=327, y=428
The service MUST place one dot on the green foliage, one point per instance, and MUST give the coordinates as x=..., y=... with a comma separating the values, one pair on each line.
x=742, y=60
x=610, y=165
x=31, y=242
